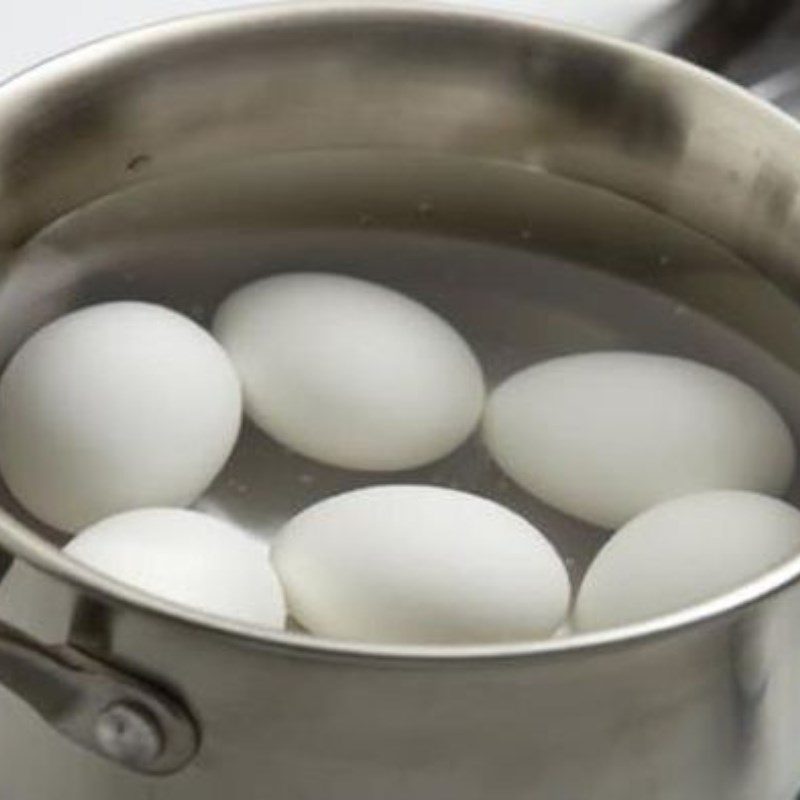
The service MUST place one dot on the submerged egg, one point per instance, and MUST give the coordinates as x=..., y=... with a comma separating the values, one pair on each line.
x=420, y=565
x=685, y=551
x=350, y=373
x=188, y=558
x=604, y=436
x=113, y=407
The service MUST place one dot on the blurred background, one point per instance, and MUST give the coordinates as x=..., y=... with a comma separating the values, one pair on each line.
x=752, y=41
x=34, y=29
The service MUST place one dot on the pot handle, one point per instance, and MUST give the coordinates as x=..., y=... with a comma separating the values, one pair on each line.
x=114, y=715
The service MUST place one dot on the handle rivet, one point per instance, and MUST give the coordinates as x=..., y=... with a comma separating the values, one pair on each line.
x=128, y=734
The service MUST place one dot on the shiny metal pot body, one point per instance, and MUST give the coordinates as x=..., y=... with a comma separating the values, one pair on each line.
x=703, y=705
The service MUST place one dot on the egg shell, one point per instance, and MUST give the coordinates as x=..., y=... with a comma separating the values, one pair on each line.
x=683, y=552
x=420, y=565
x=350, y=373
x=113, y=407
x=189, y=558
x=604, y=436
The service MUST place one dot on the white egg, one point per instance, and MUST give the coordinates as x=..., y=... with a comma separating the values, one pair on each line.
x=113, y=407
x=604, y=436
x=188, y=558
x=350, y=373
x=683, y=552
x=420, y=565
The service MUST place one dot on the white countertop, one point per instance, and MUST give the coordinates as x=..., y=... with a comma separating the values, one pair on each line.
x=31, y=30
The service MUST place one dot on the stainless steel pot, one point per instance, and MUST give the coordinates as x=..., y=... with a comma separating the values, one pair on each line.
x=148, y=700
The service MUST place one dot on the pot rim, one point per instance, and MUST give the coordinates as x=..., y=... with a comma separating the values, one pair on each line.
x=24, y=543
